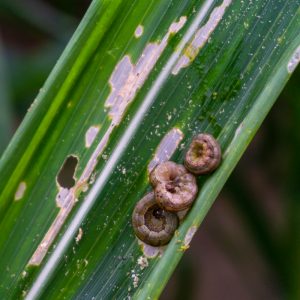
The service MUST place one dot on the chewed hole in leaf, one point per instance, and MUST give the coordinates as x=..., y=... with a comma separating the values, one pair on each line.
x=65, y=177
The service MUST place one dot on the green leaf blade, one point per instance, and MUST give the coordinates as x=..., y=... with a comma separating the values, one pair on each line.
x=226, y=90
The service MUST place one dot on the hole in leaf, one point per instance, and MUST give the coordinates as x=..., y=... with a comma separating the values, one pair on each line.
x=65, y=177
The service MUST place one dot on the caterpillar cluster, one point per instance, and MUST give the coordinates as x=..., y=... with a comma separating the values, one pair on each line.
x=175, y=188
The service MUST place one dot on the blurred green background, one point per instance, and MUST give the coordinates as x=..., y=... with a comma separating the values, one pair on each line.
x=249, y=245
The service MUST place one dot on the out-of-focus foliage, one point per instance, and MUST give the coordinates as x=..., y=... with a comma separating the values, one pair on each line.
x=6, y=116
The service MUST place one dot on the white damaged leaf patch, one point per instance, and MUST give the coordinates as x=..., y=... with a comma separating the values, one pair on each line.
x=20, y=191
x=166, y=148
x=128, y=78
x=294, y=61
x=201, y=37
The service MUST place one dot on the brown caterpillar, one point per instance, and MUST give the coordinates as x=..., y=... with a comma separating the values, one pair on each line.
x=203, y=155
x=152, y=224
x=174, y=187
